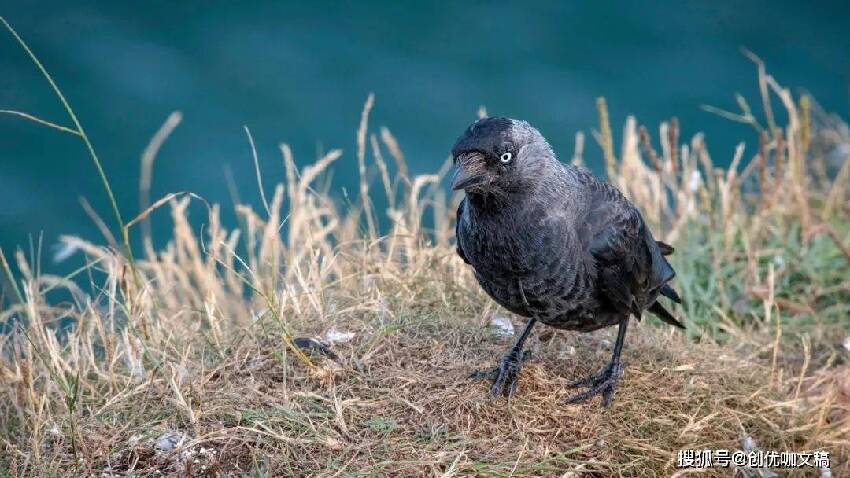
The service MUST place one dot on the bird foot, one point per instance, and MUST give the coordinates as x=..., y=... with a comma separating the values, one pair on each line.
x=504, y=376
x=603, y=383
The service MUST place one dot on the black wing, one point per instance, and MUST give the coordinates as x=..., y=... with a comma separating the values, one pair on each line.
x=622, y=260
x=458, y=248
x=631, y=269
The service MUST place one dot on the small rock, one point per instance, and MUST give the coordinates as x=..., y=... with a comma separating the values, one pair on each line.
x=747, y=443
x=567, y=351
x=334, y=335
x=501, y=325
x=170, y=440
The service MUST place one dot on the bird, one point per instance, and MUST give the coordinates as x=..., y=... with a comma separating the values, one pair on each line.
x=550, y=242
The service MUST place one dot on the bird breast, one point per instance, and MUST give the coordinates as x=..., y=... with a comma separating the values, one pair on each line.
x=530, y=261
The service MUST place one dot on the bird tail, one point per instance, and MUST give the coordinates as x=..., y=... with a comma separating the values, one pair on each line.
x=670, y=293
x=664, y=315
x=665, y=288
x=666, y=249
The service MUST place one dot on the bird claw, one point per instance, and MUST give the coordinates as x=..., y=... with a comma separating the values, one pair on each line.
x=504, y=376
x=593, y=380
x=604, y=383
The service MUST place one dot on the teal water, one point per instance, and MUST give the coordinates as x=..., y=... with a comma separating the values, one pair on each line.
x=299, y=72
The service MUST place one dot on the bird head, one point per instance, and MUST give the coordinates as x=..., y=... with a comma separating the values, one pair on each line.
x=498, y=156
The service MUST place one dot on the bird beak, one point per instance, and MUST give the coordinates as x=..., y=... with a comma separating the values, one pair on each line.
x=470, y=171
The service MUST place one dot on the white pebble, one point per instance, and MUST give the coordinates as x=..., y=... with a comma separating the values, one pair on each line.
x=502, y=325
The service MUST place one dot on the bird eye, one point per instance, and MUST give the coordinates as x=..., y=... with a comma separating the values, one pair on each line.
x=506, y=158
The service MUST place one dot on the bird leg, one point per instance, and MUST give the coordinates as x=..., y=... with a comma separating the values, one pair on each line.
x=604, y=382
x=505, y=375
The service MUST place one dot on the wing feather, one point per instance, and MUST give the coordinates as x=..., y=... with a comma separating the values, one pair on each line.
x=458, y=217
x=630, y=265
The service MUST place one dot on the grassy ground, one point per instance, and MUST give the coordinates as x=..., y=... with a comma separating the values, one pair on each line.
x=180, y=362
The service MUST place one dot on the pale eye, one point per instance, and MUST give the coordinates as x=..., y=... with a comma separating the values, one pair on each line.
x=506, y=158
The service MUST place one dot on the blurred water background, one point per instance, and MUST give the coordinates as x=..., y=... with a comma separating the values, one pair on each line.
x=299, y=72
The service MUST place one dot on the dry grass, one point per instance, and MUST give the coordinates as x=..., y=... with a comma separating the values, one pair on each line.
x=181, y=362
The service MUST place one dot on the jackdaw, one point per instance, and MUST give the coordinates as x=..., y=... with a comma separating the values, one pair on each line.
x=550, y=242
